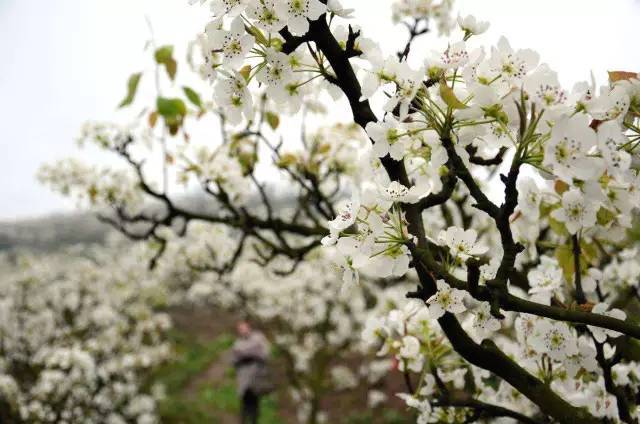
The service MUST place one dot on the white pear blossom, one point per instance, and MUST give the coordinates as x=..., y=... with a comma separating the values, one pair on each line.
x=529, y=198
x=396, y=192
x=347, y=215
x=484, y=323
x=567, y=153
x=335, y=7
x=613, y=103
x=410, y=347
x=576, y=212
x=546, y=277
x=228, y=7
x=601, y=334
x=276, y=74
x=610, y=142
x=233, y=94
x=592, y=279
x=266, y=16
x=512, y=65
x=471, y=26
x=544, y=89
x=390, y=138
x=455, y=56
x=461, y=243
x=554, y=339
x=234, y=44
x=299, y=12
x=585, y=359
x=446, y=299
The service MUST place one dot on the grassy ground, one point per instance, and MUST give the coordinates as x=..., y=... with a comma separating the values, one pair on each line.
x=200, y=386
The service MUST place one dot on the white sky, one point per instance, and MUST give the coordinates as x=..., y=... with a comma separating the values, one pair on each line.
x=66, y=61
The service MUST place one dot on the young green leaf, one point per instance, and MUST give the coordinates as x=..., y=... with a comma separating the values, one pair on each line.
x=164, y=53
x=132, y=88
x=245, y=71
x=164, y=56
x=192, y=96
x=449, y=97
x=257, y=34
x=171, y=108
x=273, y=120
x=172, y=111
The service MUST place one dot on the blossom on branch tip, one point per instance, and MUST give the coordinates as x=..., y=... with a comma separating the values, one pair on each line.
x=266, y=16
x=446, y=299
x=554, y=339
x=228, y=7
x=599, y=333
x=471, y=26
x=234, y=44
x=299, y=12
x=576, y=212
x=346, y=217
x=335, y=7
x=512, y=65
x=396, y=192
x=484, y=322
x=233, y=95
x=389, y=138
x=461, y=243
x=567, y=152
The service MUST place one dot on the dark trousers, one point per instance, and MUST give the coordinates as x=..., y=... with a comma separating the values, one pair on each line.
x=250, y=407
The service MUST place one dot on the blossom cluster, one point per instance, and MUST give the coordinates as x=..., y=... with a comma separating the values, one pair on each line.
x=78, y=339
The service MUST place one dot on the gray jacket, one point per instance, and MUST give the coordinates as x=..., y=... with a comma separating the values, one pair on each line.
x=249, y=355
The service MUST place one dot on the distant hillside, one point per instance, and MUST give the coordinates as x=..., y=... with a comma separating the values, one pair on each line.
x=52, y=232
x=59, y=230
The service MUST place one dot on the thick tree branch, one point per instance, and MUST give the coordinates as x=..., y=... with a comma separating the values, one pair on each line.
x=483, y=411
x=487, y=356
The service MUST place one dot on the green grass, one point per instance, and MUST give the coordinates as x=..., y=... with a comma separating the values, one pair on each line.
x=191, y=359
x=382, y=417
x=224, y=398
x=214, y=401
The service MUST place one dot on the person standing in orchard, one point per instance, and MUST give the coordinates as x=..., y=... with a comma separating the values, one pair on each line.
x=250, y=354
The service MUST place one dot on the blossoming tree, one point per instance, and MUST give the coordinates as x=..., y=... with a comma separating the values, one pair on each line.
x=508, y=197
x=79, y=335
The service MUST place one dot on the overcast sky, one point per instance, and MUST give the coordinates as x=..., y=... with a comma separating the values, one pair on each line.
x=66, y=61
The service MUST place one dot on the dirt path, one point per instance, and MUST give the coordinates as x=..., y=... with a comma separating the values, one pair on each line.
x=214, y=374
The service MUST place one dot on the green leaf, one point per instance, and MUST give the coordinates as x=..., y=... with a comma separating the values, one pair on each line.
x=564, y=255
x=192, y=96
x=172, y=111
x=245, y=71
x=605, y=216
x=164, y=56
x=449, y=97
x=257, y=34
x=132, y=88
x=590, y=254
x=558, y=227
x=171, y=108
x=164, y=53
x=273, y=120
